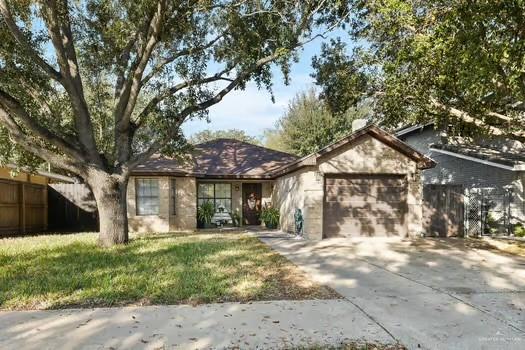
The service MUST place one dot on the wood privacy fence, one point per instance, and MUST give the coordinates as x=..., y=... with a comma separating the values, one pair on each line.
x=443, y=210
x=23, y=207
x=72, y=207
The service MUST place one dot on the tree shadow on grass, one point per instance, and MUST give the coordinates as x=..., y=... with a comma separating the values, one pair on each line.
x=163, y=269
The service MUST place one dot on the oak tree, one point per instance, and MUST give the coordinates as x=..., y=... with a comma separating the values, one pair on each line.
x=95, y=87
x=455, y=62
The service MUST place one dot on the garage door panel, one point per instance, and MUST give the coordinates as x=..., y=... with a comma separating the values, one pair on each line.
x=364, y=228
x=368, y=192
x=361, y=210
x=388, y=180
x=365, y=206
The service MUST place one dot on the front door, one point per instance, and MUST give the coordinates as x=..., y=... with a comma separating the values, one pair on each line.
x=251, y=203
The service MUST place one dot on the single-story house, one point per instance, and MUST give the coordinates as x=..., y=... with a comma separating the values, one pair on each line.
x=366, y=184
x=491, y=172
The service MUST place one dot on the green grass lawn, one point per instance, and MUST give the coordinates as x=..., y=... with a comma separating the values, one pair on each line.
x=56, y=271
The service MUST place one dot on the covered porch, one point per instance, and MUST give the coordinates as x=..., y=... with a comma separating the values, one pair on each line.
x=234, y=202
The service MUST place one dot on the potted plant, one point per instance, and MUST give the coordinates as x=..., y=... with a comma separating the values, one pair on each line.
x=236, y=219
x=205, y=213
x=270, y=216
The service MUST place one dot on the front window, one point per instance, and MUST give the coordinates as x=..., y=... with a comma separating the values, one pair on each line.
x=147, y=193
x=220, y=194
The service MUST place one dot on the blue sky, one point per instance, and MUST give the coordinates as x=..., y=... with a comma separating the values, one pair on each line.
x=252, y=110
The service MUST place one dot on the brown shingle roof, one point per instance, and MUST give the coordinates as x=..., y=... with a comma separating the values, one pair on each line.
x=220, y=158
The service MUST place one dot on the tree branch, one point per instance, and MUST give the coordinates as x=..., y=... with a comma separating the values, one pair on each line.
x=25, y=142
x=242, y=77
x=25, y=44
x=131, y=89
x=184, y=52
x=11, y=104
x=174, y=89
x=62, y=39
x=464, y=116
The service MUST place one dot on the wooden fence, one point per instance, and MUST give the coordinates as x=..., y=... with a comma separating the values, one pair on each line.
x=23, y=207
x=443, y=210
x=72, y=207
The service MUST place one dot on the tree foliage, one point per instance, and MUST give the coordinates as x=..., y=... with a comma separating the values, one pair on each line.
x=456, y=62
x=236, y=134
x=308, y=125
x=97, y=86
x=341, y=81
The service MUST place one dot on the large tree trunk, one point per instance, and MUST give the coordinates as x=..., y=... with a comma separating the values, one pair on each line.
x=110, y=195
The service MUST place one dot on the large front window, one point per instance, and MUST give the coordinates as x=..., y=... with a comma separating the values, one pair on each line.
x=147, y=192
x=220, y=194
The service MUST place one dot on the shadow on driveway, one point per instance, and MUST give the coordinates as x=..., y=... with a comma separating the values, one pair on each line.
x=429, y=293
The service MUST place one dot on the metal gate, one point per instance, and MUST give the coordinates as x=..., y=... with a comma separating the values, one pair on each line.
x=488, y=211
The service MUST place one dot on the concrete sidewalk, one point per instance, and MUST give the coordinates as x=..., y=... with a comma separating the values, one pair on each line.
x=262, y=325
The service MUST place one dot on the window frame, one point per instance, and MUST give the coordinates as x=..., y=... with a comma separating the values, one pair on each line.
x=138, y=196
x=214, y=199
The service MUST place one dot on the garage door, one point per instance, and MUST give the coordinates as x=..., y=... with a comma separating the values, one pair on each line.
x=365, y=205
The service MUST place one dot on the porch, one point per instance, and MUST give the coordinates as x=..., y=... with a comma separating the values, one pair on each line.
x=235, y=202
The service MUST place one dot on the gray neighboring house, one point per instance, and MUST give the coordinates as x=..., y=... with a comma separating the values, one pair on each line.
x=491, y=172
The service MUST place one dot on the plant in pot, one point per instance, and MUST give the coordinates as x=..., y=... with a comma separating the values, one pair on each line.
x=205, y=213
x=236, y=218
x=270, y=216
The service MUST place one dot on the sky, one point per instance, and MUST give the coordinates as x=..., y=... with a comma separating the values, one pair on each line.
x=252, y=110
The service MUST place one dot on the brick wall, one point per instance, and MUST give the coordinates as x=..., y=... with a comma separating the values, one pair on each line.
x=304, y=188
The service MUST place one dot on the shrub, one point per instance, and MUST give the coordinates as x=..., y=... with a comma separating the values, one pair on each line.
x=270, y=216
x=205, y=212
x=519, y=230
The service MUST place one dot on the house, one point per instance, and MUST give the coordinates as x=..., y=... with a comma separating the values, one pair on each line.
x=24, y=200
x=366, y=184
x=491, y=172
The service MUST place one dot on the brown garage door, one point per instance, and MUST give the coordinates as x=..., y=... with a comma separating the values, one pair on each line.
x=365, y=205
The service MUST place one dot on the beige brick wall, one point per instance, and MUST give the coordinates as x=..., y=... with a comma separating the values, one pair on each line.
x=368, y=156
x=183, y=220
x=303, y=189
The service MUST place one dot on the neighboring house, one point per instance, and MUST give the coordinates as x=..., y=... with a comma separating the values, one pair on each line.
x=492, y=168
x=367, y=184
x=24, y=200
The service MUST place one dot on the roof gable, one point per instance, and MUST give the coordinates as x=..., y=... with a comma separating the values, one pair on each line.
x=393, y=142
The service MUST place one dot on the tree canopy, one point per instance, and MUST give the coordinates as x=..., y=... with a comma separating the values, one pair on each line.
x=308, y=125
x=97, y=86
x=454, y=62
x=236, y=134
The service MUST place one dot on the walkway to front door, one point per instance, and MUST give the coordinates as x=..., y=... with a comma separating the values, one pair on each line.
x=251, y=203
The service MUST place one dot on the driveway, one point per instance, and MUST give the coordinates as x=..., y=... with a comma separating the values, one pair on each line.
x=427, y=293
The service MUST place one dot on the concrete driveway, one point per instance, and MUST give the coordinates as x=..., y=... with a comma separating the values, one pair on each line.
x=427, y=293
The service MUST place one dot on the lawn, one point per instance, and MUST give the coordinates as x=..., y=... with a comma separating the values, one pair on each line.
x=57, y=271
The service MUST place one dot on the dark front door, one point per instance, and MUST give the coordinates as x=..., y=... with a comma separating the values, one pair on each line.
x=251, y=203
